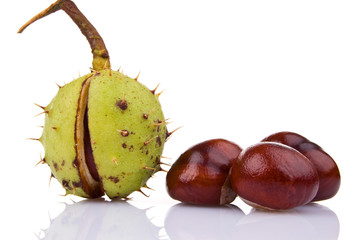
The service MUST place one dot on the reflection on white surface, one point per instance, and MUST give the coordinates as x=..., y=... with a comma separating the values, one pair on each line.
x=198, y=222
x=98, y=219
x=308, y=222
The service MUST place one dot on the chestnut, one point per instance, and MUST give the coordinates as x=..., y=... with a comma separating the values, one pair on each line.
x=201, y=174
x=328, y=172
x=274, y=176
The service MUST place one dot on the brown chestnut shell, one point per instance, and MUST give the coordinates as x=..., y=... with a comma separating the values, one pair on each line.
x=201, y=174
x=328, y=172
x=274, y=176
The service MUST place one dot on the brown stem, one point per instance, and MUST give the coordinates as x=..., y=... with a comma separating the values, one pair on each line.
x=100, y=53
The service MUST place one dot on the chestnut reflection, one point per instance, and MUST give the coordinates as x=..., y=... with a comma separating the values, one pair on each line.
x=191, y=222
x=311, y=222
x=99, y=219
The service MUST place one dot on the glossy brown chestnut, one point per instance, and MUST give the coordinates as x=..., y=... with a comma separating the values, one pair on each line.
x=274, y=176
x=328, y=172
x=201, y=174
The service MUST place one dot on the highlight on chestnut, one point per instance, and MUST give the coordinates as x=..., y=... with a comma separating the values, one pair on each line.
x=283, y=171
x=201, y=174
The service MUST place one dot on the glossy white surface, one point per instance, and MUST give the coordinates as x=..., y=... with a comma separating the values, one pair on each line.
x=234, y=69
x=114, y=220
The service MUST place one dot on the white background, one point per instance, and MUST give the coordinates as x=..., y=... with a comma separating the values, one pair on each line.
x=239, y=70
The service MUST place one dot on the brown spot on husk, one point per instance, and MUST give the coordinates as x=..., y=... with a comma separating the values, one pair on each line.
x=124, y=133
x=56, y=166
x=75, y=163
x=122, y=104
x=114, y=179
x=131, y=149
x=157, y=160
x=77, y=184
x=65, y=184
x=159, y=141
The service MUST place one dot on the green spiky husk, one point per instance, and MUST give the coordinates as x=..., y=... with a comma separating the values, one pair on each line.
x=124, y=163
